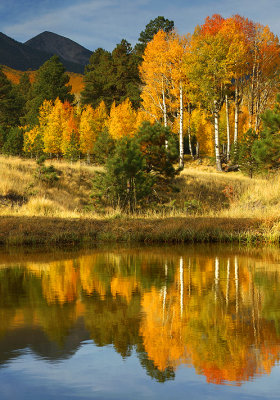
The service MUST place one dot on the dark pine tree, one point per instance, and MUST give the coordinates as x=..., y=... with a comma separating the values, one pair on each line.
x=51, y=82
x=10, y=103
x=99, y=79
x=155, y=25
x=267, y=149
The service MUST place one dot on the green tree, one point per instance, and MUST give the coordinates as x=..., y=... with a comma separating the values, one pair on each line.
x=126, y=75
x=155, y=25
x=159, y=157
x=112, y=77
x=267, y=149
x=24, y=86
x=14, y=142
x=10, y=102
x=51, y=82
x=2, y=137
x=125, y=182
x=98, y=79
x=246, y=155
x=103, y=147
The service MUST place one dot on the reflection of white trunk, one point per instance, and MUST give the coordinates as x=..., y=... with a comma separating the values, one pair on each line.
x=236, y=283
x=217, y=273
x=189, y=276
x=163, y=303
x=228, y=276
x=181, y=138
x=181, y=285
x=164, y=293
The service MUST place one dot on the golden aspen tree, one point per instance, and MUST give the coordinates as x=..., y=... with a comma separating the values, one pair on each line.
x=178, y=46
x=53, y=131
x=100, y=117
x=234, y=29
x=70, y=137
x=86, y=131
x=122, y=120
x=263, y=82
x=32, y=142
x=207, y=68
x=154, y=74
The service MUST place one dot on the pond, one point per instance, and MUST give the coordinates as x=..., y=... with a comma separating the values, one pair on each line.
x=140, y=323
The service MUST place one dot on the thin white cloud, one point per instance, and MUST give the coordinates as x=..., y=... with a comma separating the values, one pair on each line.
x=97, y=23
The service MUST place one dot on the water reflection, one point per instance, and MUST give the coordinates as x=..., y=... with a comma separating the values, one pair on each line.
x=216, y=309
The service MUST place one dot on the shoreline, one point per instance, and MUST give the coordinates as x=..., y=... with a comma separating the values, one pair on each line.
x=46, y=230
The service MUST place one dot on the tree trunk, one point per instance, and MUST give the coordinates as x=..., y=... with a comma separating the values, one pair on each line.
x=217, y=139
x=228, y=129
x=236, y=116
x=189, y=131
x=197, y=149
x=181, y=137
x=164, y=113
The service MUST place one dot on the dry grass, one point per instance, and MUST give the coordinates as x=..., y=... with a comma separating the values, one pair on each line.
x=22, y=194
x=209, y=206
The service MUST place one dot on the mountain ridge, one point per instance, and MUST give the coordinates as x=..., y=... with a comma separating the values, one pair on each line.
x=64, y=47
x=24, y=57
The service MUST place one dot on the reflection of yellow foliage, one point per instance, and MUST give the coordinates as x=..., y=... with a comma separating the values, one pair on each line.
x=60, y=284
x=90, y=281
x=207, y=312
x=161, y=330
x=124, y=287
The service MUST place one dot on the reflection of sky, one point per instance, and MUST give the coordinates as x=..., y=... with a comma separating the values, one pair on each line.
x=101, y=373
x=103, y=23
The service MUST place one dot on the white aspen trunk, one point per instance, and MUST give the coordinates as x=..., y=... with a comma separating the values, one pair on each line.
x=236, y=116
x=181, y=285
x=164, y=113
x=197, y=149
x=228, y=128
x=189, y=131
x=217, y=139
x=88, y=158
x=181, y=137
x=164, y=109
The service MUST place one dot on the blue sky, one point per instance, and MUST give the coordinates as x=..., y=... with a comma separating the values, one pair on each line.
x=103, y=23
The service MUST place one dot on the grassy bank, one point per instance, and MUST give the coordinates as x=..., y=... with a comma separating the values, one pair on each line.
x=204, y=206
x=42, y=230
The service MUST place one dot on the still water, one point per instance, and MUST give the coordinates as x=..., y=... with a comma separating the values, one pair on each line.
x=186, y=322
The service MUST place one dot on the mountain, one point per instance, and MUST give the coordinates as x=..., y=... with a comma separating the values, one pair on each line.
x=65, y=48
x=23, y=57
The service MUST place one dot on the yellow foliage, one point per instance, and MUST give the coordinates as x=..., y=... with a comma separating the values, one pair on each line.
x=87, y=132
x=122, y=120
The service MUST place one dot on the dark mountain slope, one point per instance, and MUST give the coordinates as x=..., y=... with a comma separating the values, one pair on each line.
x=19, y=56
x=65, y=48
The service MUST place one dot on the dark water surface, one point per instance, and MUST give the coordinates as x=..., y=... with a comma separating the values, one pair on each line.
x=192, y=322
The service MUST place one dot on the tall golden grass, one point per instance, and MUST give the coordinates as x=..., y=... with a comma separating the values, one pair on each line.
x=206, y=206
x=200, y=191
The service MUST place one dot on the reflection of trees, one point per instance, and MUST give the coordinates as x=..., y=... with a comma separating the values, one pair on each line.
x=221, y=331
x=219, y=314
x=113, y=321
